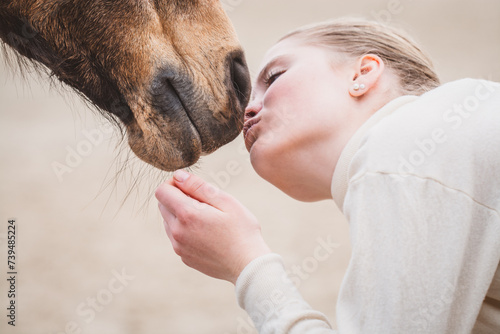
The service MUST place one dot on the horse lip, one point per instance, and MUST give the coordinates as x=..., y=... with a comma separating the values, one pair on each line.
x=169, y=98
x=185, y=109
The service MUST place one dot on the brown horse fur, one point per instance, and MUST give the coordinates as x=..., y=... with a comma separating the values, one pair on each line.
x=171, y=71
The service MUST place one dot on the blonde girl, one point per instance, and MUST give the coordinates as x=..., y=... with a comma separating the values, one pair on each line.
x=413, y=164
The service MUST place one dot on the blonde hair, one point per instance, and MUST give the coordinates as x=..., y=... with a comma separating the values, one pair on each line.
x=356, y=38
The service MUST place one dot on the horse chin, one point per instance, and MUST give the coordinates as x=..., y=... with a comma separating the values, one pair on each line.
x=164, y=149
x=179, y=145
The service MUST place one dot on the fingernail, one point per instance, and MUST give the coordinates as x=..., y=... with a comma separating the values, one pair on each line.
x=180, y=175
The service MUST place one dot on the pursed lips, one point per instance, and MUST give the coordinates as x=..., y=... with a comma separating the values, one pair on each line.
x=249, y=139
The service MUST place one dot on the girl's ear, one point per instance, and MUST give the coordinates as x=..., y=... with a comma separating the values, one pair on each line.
x=368, y=71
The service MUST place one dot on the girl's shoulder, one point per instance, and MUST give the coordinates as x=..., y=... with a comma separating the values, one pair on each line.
x=451, y=123
x=465, y=90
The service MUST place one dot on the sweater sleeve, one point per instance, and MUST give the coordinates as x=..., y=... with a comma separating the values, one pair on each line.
x=272, y=301
x=423, y=256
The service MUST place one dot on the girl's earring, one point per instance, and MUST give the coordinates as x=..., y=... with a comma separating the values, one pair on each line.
x=358, y=87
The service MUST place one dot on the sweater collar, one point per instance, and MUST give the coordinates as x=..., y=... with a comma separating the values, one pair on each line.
x=341, y=174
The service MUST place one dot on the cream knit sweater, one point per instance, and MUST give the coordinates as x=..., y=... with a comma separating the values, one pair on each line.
x=419, y=184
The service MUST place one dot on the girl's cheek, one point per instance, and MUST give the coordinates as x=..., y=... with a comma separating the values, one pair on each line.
x=279, y=89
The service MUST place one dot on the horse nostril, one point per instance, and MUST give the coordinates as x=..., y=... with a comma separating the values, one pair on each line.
x=240, y=78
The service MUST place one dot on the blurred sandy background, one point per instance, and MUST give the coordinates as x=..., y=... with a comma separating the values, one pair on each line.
x=75, y=236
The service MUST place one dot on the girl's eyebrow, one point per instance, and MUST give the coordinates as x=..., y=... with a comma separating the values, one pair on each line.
x=270, y=64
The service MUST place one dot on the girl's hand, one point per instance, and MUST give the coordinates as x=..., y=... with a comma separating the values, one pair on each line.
x=210, y=230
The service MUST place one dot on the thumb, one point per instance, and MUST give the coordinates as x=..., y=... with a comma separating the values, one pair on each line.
x=200, y=190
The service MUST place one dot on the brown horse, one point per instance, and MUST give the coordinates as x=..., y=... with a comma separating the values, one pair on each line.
x=171, y=71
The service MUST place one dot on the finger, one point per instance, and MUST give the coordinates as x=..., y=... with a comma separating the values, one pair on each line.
x=175, y=244
x=174, y=200
x=165, y=213
x=169, y=221
x=167, y=229
x=162, y=188
x=202, y=191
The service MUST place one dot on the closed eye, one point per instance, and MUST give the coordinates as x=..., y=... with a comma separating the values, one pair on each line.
x=272, y=77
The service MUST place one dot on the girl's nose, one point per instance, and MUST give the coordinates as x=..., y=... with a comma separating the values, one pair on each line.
x=253, y=108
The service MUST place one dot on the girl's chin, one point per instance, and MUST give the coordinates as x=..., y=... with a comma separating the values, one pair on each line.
x=265, y=166
x=269, y=159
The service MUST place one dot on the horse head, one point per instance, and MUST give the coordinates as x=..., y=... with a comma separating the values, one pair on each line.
x=171, y=72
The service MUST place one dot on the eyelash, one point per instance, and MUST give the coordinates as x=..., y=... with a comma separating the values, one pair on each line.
x=272, y=76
